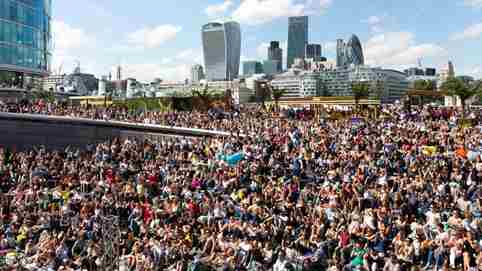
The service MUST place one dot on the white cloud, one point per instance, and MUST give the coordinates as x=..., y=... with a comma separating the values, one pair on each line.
x=398, y=50
x=329, y=47
x=146, y=72
x=262, y=50
x=376, y=22
x=186, y=54
x=325, y=3
x=154, y=37
x=219, y=9
x=175, y=67
x=67, y=37
x=70, y=43
x=471, y=32
x=477, y=72
x=166, y=60
x=474, y=71
x=254, y=12
x=199, y=59
x=191, y=56
x=473, y=3
x=373, y=20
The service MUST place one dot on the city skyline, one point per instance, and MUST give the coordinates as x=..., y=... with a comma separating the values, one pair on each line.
x=159, y=44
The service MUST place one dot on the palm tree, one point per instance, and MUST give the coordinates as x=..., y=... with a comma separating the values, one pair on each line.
x=203, y=94
x=277, y=94
x=207, y=96
x=360, y=90
x=462, y=89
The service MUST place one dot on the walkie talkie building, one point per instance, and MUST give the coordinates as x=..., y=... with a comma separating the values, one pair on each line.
x=222, y=50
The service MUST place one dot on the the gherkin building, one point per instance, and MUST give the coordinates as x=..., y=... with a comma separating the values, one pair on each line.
x=354, y=51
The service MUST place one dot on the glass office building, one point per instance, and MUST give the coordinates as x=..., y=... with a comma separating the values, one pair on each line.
x=271, y=67
x=337, y=82
x=349, y=53
x=297, y=38
x=354, y=51
x=313, y=51
x=25, y=43
x=252, y=67
x=275, y=53
x=222, y=50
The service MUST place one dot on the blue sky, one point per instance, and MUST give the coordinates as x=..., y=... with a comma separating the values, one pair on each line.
x=161, y=38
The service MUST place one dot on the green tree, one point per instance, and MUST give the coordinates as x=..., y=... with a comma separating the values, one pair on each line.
x=203, y=94
x=462, y=89
x=428, y=85
x=377, y=91
x=360, y=90
x=207, y=96
x=263, y=93
x=424, y=85
x=277, y=94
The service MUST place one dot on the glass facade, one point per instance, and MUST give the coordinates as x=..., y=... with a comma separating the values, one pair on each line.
x=349, y=53
x=233, y=49
x=222, y=50
x=354, y=52
x=297, y=38
x=275, y=53
x=252, y=67
x=340, y=53
x=338, y=81
x=25, y=35
x=298, y=85
x=313, y=51
x=270, y=67
x=197, y=74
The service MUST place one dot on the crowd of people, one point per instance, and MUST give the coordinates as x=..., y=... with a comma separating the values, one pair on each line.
x=299, y=191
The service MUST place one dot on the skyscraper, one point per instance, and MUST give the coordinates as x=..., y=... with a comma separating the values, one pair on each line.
x=222, y=50
x=349, y=53
x=119, y=73
x=354, y=52
x=275, y=53
x=197, y=74
x=252, y=67
x=297, y=38
x=270, y=67
x=25, y=43
x=313, y=51
x=451, y=70
x=340, y=53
